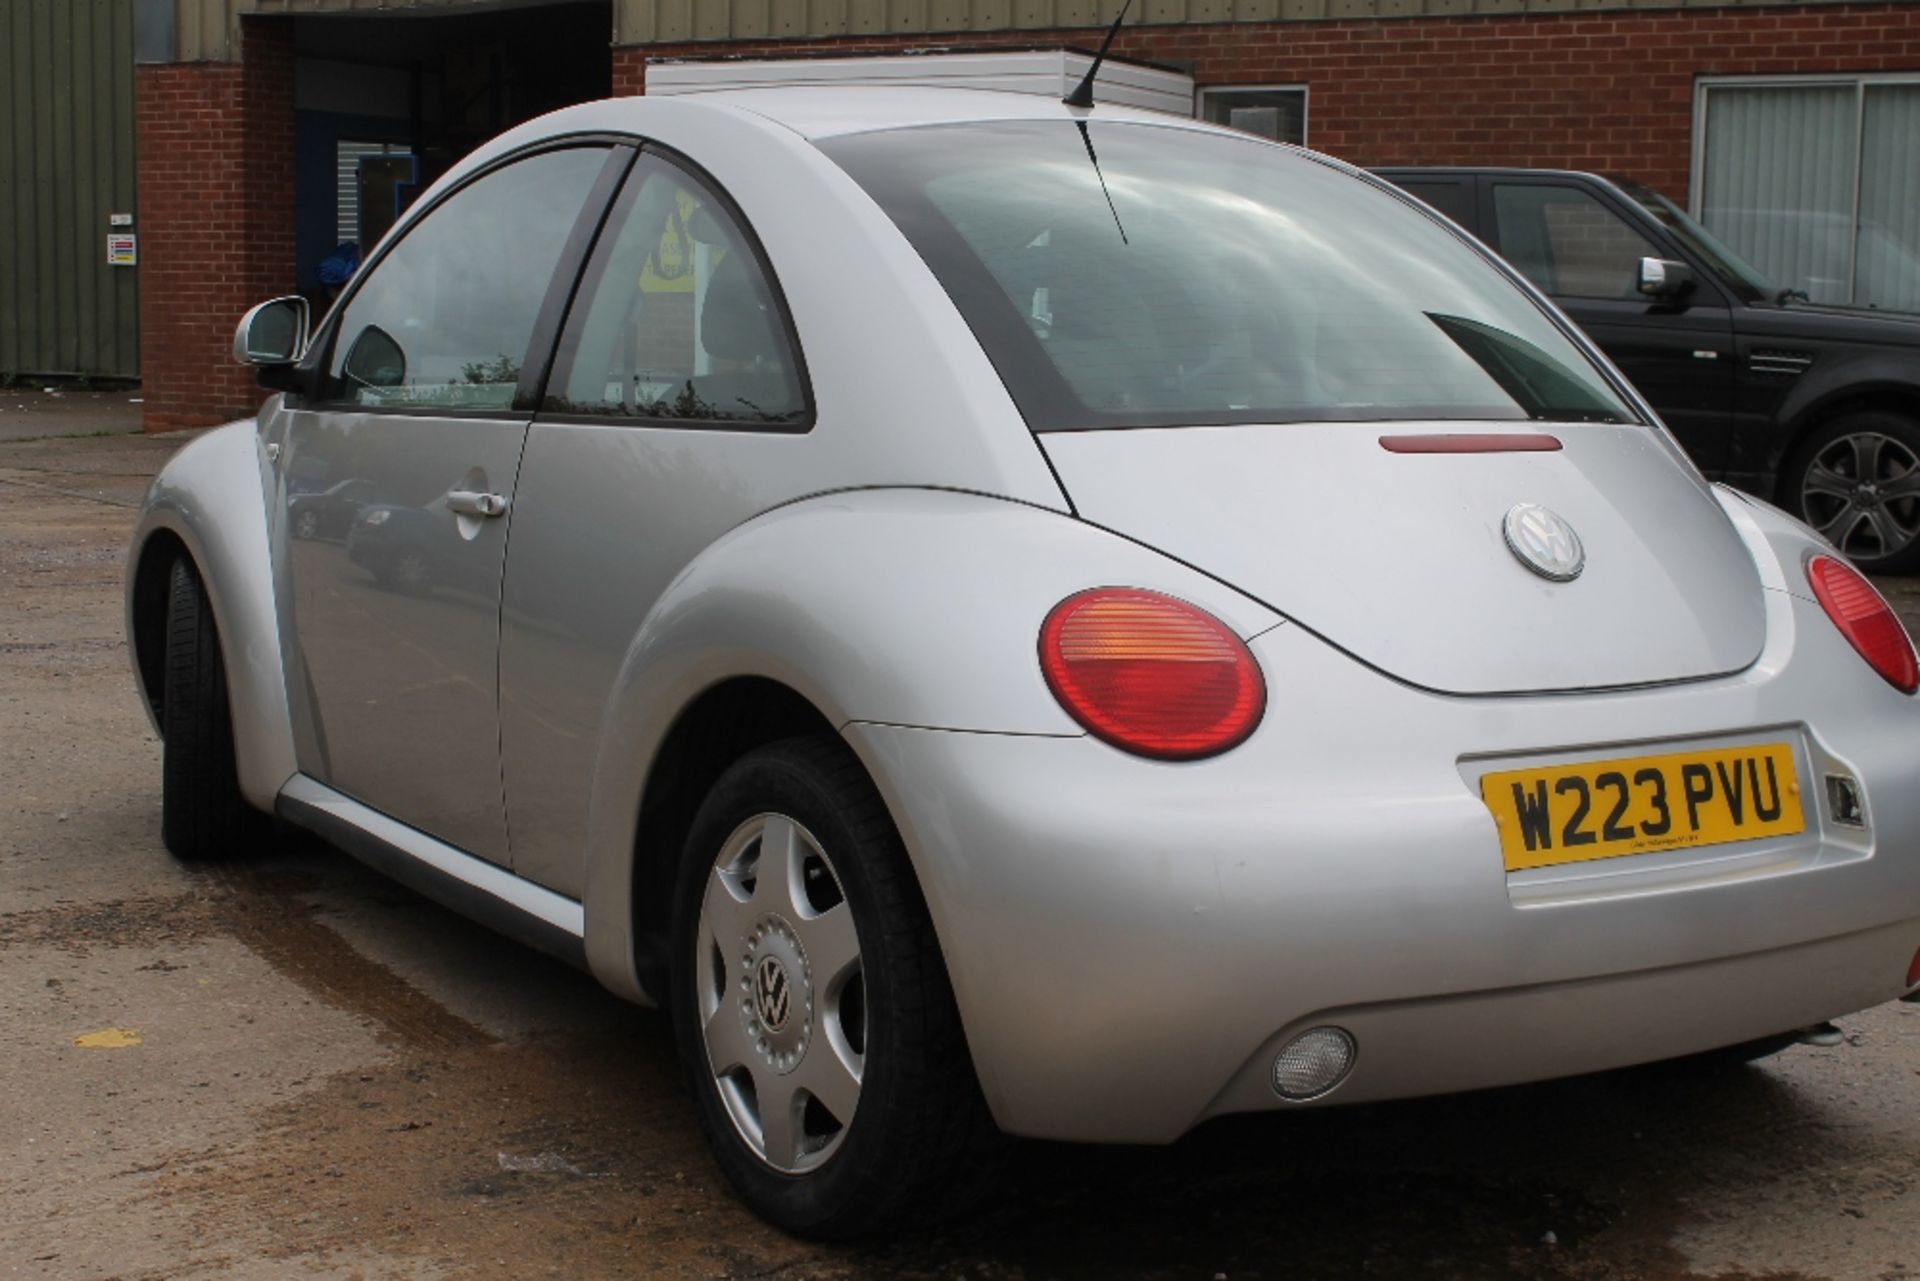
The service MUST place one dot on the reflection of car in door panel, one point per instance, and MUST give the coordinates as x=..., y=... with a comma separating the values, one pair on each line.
x=329, y=513
x=1815, y=407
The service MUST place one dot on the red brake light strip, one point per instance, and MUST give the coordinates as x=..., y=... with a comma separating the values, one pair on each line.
x=1471, y=443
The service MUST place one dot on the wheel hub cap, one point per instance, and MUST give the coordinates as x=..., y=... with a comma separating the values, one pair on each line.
x=776, y=994
x=781, y=994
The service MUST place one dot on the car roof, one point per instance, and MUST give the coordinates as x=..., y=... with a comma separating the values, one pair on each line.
x=805, y=115
x=816, y=111
x=826, y=111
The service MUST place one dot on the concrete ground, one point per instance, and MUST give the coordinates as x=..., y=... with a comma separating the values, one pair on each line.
x=292, y=1068
x=36, y=410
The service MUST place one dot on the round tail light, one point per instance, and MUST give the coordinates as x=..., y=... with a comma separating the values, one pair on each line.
x=1150, y=674
x=1866, y=620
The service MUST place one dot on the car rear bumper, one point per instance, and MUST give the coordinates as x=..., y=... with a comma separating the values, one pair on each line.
x=1131, y=942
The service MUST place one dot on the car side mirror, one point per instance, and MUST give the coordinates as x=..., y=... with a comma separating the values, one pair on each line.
x=271, y=338
x=273, y=333
x=1665, y=278
x=375, y=360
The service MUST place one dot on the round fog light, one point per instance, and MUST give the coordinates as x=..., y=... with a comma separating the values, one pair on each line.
x=1313, y=1063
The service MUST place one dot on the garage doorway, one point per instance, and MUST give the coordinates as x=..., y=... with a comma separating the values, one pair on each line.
x=385, y=104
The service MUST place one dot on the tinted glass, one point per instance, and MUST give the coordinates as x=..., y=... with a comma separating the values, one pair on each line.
x=1700, y=240
x=444, y=319
x=1568, y=243
x=1454, y=199
x=1135, y=275
x=678, y=319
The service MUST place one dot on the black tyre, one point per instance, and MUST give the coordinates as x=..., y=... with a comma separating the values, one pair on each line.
x=1857, y=481
x=811, y=1004
x=202, y=814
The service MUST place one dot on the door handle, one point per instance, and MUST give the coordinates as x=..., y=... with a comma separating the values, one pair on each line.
x=466, y=502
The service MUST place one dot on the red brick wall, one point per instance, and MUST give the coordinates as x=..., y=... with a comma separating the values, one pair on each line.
x=215, y=145
x=1610, y=91
x=629, y=72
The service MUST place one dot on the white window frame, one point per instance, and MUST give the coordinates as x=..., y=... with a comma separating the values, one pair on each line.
x=1203, y=92
x=1858, y=81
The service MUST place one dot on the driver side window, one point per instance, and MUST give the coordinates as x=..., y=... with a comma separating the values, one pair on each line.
x=444, y=319
x=1568, y=243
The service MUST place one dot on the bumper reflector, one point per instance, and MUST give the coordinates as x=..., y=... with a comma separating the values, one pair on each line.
x=1313, y=1063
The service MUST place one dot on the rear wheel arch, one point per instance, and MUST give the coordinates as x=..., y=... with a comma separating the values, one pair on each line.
x=722, y=724
x=855, y=1038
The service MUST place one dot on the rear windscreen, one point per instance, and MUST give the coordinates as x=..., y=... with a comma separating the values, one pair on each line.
x=1125, y=275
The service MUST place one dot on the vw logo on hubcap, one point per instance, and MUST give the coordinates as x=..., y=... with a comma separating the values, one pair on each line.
x=772, y=993
x=1544, y=543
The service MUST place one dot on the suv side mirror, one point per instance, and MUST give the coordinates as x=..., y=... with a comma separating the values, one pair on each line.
x=1665, y=278
x=273, y=333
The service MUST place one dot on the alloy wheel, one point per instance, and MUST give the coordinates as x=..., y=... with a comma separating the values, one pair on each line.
x=1862, y=492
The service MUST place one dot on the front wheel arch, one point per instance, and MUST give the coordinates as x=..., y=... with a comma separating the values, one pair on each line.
x=148, y=617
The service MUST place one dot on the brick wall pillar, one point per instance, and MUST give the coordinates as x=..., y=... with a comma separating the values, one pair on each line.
x=629, y=70
x=215, y=143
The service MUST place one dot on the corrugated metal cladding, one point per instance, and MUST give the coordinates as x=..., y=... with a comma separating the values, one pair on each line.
x=675, y=21
x=66, y=166
x=206, y=27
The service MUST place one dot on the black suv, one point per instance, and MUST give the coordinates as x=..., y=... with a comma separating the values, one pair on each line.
x=1816, y=408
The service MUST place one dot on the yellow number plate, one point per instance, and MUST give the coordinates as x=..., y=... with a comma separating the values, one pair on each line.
x=1642, y=804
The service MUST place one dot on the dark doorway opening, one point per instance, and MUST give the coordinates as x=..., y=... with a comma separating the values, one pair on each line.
x=385, y=104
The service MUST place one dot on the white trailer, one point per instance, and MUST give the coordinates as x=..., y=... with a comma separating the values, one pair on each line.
x=1053, y=72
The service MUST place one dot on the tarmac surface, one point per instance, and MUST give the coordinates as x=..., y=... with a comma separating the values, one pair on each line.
x=292, y=1068
x=34, y=412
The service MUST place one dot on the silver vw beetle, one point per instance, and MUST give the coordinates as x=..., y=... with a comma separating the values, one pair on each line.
x=1003, y=614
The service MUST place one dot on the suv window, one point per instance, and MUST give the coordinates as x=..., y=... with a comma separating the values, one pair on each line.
x=1450, y=196
x=678, y=319
x=444, y=318
x=1567, y=242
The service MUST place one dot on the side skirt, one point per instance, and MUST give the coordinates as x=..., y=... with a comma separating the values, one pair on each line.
x=470, y=886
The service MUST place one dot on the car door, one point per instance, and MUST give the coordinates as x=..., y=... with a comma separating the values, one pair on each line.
x=1585, y=255
x=422, y=399
x=678, y=408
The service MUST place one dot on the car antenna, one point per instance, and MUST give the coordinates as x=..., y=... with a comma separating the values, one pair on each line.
x=1086, y=140
x=1083, y=95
